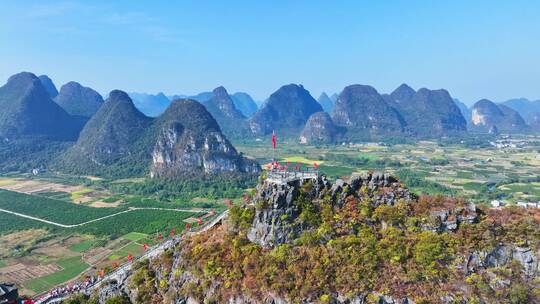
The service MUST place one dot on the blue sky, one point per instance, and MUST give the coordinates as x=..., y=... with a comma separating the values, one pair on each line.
x=475, y=49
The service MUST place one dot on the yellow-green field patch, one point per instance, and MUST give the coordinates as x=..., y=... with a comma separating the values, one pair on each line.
x=301, y=159
x=7, y=182
x=79, y=194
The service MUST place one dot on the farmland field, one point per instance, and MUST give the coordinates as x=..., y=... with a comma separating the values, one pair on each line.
x=71, y=267
x=481, y=174
x=82, y=246
x=38, y=255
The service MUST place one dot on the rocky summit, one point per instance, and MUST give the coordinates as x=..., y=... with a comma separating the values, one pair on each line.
x=286, y=110
x=189, y=142
x=486, y=114
x=319, y=129
x=78, y=100
x=366, y=239
x=277, y=216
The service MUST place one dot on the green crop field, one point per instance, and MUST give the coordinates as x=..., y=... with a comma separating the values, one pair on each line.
x=82, y=246
x=134, y=236
x=133, y=249
x=71, y=267
x=51, y=209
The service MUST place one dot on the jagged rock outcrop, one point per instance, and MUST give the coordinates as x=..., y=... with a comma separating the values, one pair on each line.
x=277, y=211
x=361, y=108
x=503, y=255
x=486, y=114
x=428, y=112
x=286, y=111
x=78, y=100
x=49, y=86
x=230, y=120
x=28, y=110
x=445, y=220
x=319, y=129
x=189, y=141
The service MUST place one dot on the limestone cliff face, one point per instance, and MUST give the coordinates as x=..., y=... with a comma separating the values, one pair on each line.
x=190, y=142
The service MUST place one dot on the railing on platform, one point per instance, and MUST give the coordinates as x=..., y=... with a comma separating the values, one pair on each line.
x=283, y=176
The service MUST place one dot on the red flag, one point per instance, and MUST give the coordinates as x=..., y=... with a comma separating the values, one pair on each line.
x=199, y=221
x=145, y=247
x=188, y=226
x=160, y=237
x=130, y=257
x=172, y=232
x=315, y=165
x=274, y=140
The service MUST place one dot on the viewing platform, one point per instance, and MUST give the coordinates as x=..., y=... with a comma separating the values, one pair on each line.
x=284, y=176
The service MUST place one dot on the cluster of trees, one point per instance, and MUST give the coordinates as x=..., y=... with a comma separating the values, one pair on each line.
x=185, y=189
x=30, y=152
x=418, y=183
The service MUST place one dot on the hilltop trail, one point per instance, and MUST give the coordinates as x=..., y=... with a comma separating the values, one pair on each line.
x=98, y=219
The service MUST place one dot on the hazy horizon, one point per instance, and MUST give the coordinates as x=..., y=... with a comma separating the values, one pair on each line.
x=470, y=49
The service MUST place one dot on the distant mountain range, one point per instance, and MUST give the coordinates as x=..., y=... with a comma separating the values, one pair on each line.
x=326, y=102
x=154, y=105
x=148, y=134
x=151, y=105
